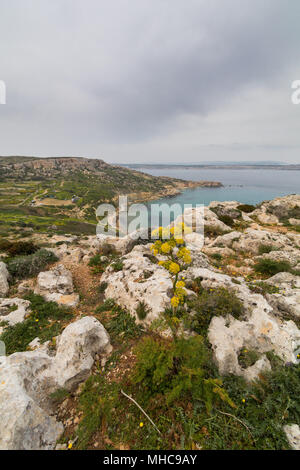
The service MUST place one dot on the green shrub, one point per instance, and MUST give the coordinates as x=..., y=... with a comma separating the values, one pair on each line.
x=227, y=220
x=120, y=324
x=213, y=302
x=217, y=256
x=96, y=264
x=108, y=249
x=102, y=287
x=177, y=368
x=271, y=267
x=17, y=248
x=22, y=267
x=213, y=231
x=97, y=403
x=59, y=396
x=248, y=358
x=246, y=208
x=263, y=288
x=264, y=249
x=117, y=265
x=265, y=407
x=142, y=310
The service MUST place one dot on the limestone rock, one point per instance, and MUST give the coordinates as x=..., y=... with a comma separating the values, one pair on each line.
x=264, y=217
x=285, y=280
x=24, y=425
x=281, y=207
x=26, y=286
x=251, y=240
x=226, y=240
x=130, y=286
x=27, y=379
x=18, y=315
x=4, y=276
x=287, y=301
x=57, y=285
x=292, y=256
x=261, y=332
x=292, y=432
x=76, y=348
x=294, y=221
x=227, y=208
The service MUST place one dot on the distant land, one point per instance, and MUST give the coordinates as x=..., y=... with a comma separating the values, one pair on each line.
x=216, y=166
x=60, y=195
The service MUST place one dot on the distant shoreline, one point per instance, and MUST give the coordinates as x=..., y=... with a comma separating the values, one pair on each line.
x=158, y=166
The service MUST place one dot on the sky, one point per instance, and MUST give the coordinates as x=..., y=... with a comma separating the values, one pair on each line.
x=153, y=81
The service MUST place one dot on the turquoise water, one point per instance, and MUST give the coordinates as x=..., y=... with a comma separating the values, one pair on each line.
x=245, y=186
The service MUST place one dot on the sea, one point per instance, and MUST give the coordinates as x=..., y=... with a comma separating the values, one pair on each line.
x=248, y=186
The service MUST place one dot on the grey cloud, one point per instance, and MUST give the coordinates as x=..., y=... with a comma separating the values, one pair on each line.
x=127, y=70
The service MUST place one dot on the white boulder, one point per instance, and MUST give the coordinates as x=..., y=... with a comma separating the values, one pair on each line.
x=14, y=310
x=27, y=379
x=76, y=348
x=139, y=281
x=57, y=285
x=4, y=276
x=292, y=432
x=24, y=425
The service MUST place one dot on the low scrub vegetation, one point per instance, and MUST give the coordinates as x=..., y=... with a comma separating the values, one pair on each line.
x=261, y=287
x=46, y=320
x=227, y=220
x=210, y=303
x=213, y=231
x=16, y=248
x=21, y=267
x=142, y=310
x=246, y=208
x=271, y=267
x=177, y=368
x=191, y=406
x=264, y=249
x=248, y=358
x=119, y=323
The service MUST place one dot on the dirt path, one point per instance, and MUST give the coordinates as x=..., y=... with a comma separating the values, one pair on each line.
x=86, y=284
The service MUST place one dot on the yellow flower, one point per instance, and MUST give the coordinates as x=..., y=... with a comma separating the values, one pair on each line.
x=174, y=268
x=180, y=284
x=175, y=301
x=243, y=400
x=185, y=255
x=165, y=248
x=154, y=249
x=179, y=241
x=141, y=424
x=70, y=445
x=36, y=319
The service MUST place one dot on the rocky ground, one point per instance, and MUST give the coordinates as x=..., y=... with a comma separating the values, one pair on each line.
x=72, y=329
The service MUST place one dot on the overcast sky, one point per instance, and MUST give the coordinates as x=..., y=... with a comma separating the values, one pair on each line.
x=150, y=80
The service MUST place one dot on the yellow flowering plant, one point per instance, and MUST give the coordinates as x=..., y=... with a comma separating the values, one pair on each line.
x=178, y=257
